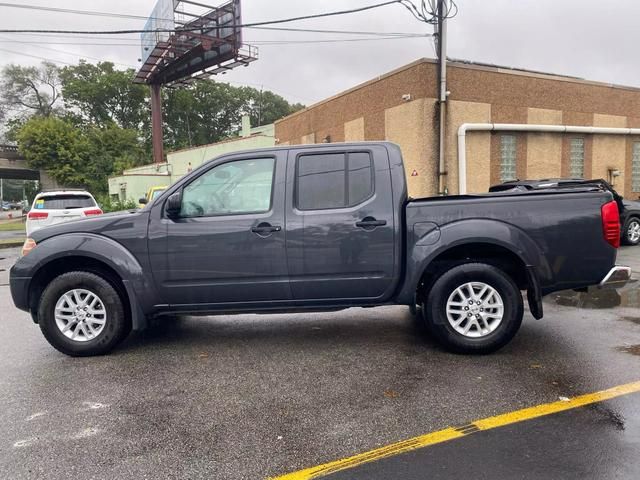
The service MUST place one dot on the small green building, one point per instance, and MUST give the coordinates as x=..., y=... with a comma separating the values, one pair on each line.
x=135, y=182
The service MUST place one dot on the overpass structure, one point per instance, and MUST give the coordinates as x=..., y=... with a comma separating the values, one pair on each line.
x=14, y=167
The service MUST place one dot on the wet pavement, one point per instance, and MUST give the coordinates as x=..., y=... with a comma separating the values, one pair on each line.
x=600, y=441
x=247, y=396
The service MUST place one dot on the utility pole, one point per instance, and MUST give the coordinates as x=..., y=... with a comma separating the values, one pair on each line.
x=156, y=123
x=441, y=36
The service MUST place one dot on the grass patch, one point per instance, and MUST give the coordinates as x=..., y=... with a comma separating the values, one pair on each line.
x=12, y=225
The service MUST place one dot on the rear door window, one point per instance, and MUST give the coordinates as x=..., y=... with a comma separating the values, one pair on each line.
x=64, y=202
x=333, y=180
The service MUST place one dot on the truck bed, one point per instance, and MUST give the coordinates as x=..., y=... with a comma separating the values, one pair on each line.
x=559, y=233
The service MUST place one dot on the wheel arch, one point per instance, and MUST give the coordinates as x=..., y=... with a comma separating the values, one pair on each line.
x=93, y=253
x=58, y=266
x=478, y=252
x=476, y=240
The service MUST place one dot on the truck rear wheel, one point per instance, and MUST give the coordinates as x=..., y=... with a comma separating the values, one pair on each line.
x=81, y=314
x=474, y=308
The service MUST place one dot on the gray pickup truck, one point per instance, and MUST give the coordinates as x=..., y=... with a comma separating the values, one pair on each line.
x=317, y=227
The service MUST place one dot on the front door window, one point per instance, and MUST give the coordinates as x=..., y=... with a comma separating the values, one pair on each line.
x=233, y=188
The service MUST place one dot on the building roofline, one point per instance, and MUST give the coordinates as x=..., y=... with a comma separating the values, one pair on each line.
x=488, y=67
x=142, y=174
x=459, y=63
x=226, y=140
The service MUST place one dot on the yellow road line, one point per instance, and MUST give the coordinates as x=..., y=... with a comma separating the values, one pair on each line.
x=458, y=432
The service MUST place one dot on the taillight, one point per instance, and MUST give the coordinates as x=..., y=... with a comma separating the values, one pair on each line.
x=95, y=211
x=29, y=244
x=611, y=223
x=38, y=215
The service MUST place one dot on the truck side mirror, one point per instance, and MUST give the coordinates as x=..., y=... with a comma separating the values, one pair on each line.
x=174, y=204
x=143, y=200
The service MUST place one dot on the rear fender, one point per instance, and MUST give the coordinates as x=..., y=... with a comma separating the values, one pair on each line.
x=422, y=252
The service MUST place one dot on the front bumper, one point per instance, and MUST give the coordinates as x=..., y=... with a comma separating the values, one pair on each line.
x=617, y=277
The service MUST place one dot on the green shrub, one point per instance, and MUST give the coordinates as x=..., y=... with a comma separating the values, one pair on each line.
x=107, y=205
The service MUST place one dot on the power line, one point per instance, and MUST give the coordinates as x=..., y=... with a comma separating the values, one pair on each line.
x=346, y=32
x=78, y=12
x=68, y=53
x=140, y=17
x=277, y=29
x=179, y=30
x=256, y=42
x=336, y=40
x=35, y=56
x=89, y=37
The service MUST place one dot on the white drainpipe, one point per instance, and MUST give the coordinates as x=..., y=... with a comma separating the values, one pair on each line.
x=521, y=127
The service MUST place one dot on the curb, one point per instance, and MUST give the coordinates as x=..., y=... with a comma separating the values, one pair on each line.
x=11, y=243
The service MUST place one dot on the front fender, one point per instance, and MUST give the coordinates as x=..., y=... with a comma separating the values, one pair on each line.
x=420, y=254
x=138, y=283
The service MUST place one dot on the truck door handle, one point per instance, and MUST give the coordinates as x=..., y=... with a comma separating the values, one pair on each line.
x=265, y=229
x=370, y=222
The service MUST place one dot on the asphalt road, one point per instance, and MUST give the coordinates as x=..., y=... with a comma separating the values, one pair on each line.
x=11, y=235
x=248, y=397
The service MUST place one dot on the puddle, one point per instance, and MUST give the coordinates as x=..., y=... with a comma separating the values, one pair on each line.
x=597, y=298
x=632, y=349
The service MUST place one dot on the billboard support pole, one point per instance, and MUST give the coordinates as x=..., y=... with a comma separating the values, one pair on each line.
x=156, y=123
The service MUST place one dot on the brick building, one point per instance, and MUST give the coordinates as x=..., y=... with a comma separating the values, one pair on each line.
x=401, y=106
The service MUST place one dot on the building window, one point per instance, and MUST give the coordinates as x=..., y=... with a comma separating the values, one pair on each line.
x=635, y=168
x=507, y=158
x=576, y=158
x=333, y=180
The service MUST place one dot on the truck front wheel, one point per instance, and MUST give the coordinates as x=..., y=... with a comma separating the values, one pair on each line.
x=473, y=308
x=81, y=314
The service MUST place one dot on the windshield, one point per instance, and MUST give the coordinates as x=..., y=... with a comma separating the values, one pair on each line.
x=156, y=193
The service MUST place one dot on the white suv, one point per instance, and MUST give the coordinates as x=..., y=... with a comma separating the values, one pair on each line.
x=51, y=208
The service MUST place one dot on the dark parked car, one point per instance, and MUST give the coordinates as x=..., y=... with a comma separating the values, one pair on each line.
x=629, y=209
x=317, y=227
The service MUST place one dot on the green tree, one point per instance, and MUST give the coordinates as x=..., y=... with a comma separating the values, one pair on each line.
x=208, y=111
x=54, y=145
x=100, y=94
x=204, y=112
x=266, y=107
x=111, y=150
x=78, y=157
x=26, y=91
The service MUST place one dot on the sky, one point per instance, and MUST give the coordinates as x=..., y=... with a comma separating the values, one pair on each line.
x=586, y=38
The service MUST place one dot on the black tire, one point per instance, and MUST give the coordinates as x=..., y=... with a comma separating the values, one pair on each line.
x=435, y=308
x=116, y=326
x=632, y=222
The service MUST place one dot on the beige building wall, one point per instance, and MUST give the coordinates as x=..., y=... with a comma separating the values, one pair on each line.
x=377, y=109
x=410, y=125
x=307, y=139
x=544, y=150
x=478, y=146
x=354, y=130
x=609, y=151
